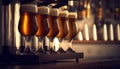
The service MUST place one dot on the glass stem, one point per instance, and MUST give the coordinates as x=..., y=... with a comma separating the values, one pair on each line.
x=27, y=43
x=40, y=43
x=17, y=51
x=51, y=45
x=70, y=44
x=60, y=43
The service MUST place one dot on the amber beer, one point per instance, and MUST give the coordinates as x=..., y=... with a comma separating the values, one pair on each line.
x=42, y=19
x=53, y=22
x=62, y=21
x=43, y=27
x=72, y=16
x=28, y=22
x=28, y=25
x=63, y=30
x=54, y=28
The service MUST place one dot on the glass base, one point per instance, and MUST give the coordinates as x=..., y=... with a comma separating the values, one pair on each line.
x=70, y=50
x=28, y=52
x=41, y=51
x=52, y=51
x=60, y=51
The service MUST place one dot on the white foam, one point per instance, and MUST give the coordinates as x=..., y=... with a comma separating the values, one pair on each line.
x=43, y=10
x=29, y=8
x=72, y=15
x=54, y=12
x=63, y=13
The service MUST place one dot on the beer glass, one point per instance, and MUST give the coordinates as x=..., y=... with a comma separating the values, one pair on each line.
x=62, y=21
x=72, y=30
x=28, y=25
x=54, y=28
x=43, y=26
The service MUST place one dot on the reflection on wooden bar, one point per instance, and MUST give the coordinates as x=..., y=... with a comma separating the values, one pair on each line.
x=95, y=42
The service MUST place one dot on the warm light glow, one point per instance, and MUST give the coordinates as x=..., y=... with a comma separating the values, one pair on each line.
x=56, y=42
x=16, y=21
x=25, y=21
x=117, y=10
x=118, y=32
x=9, y=25
x=85, y=4
x=80, y=36
x=94, y=32
x=105, y=37
x=100, y=13
x=86, y=32
x=111, y=32
x=70, y=3
x=88, y=10
x=63, y=7
x=84, y=13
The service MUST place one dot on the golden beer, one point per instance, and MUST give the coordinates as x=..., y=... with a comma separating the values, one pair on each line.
x=72, y=16
x=28, y=23
x=42, y=18
x=62, y=21
x=53, y=22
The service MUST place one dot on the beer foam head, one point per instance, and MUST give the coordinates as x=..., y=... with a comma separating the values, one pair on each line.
x=54, y=12
x=72, y=15
x=43, y=10
x=63, y=13
x=29, y=8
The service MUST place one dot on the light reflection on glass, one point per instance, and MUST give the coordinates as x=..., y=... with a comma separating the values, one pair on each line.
x=56, y=42
x=16, y=21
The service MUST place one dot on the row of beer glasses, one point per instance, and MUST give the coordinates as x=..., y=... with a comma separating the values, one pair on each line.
x=44, y=21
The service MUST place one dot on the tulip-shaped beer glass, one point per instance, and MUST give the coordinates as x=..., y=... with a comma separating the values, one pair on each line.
x=63, y=30
x=54, y=27
x=72, y=30
x=43, y=26
x=28, y=25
